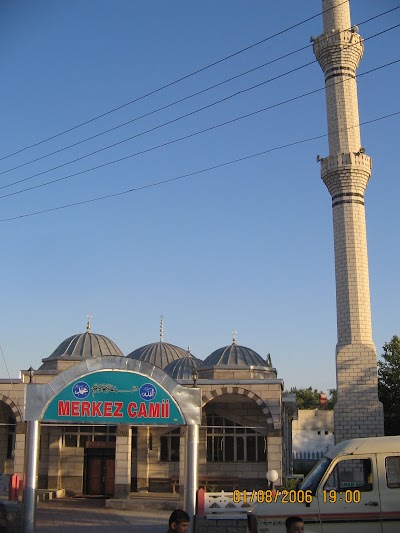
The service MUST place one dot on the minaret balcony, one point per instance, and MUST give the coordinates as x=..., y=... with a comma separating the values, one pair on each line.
x=338, y=48
x=346, y=172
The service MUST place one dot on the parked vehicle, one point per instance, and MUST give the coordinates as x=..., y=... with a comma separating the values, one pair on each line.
x=357, y=483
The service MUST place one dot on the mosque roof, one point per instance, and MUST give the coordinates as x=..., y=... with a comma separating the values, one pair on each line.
x=234, y=356
x=182, y=368
x=84, y=346
x=159, y=353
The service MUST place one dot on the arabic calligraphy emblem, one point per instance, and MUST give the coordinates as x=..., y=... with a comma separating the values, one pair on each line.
x=80, y=390
x=147, y=392
x=104, y=388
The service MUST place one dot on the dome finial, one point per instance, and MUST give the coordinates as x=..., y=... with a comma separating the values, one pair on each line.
x=234, y=333
x=161, y=328
x=88, y=323
x=188, y=350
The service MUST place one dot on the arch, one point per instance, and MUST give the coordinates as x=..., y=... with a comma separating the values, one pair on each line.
x=14, y=408
x=221, y=391
x=40, y=396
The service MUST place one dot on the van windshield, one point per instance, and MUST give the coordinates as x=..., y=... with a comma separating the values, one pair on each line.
x=312, y=480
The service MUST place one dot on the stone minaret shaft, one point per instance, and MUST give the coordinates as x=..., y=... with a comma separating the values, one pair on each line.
x=346, y=172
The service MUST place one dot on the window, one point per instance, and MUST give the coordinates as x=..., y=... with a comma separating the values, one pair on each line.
x=77, y=436
x=393, y=472
x=352, y=474
x=11, y=437
x=313, y=478
x=228, y=442
x=169, y=446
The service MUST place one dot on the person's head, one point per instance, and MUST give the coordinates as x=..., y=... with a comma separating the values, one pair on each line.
x=294, y=524
x=179, y=521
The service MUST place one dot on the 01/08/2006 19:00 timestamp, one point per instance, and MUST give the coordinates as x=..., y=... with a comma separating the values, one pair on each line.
x=293, y=496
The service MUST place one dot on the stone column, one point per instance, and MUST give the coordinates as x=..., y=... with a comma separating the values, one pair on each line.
x=143, y=447
x=19, y=450
x=123, y=461
x=274, y=450
x=54, y=477
x=346, y=172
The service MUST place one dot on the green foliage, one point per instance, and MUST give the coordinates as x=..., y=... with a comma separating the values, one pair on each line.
x=306, y=398
x=332, y=398
x=290, y=484
x=389, y=385
x=309, y=398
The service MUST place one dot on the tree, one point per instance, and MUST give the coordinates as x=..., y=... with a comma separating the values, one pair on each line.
x=389, y=385
x=309, y=398
x=332, y=398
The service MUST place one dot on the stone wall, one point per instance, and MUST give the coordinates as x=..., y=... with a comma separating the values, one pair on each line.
x=313, y=431
x=71, y=469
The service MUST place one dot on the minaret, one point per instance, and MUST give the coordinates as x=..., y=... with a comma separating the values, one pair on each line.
x=345, y=172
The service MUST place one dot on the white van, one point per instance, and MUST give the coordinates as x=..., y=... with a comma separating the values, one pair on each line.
x=355, y=488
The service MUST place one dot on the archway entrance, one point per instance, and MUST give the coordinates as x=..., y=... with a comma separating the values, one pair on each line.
x=111, y=391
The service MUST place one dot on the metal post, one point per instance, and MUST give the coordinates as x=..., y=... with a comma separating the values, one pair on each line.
x=31, y=471
x=191, y=472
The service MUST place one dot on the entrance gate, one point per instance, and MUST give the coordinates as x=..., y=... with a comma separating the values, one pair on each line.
x=109, y=391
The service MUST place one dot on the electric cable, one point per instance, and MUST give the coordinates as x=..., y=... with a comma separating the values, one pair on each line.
x=193, y=95
x=202, y=69
x=156, y=111
x=159, y=126
x=194, y=173
x=173, y=141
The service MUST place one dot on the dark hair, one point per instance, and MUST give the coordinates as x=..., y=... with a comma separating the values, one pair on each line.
x=179, y=516
x=292, y=520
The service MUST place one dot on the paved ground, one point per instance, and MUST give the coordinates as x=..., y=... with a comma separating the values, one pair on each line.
x=77, y=515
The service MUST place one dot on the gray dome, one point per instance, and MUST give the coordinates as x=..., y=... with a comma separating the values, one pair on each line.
x=234, y=356
x=84, y=346
x=158, y=353
x=182, y=368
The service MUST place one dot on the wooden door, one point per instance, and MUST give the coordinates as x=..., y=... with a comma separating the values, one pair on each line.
x=99, y=472
x=109, y=476
x=94, y=475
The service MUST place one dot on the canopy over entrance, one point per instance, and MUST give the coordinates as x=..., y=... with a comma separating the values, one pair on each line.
x=111, y=390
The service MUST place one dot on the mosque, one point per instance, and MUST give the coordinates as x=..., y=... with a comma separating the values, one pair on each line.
x=246, y=418
x=245, y=426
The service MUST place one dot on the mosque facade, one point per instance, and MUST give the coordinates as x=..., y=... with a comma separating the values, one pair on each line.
x=245, y=426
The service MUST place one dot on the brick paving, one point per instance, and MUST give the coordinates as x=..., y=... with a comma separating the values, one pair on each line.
x=78, y=515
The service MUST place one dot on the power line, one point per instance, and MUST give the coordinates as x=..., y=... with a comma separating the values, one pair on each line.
x=194, y=173
x=173, y=141
x=189, y=97
x=202, y=69
x=160, y=109
x=152, y=129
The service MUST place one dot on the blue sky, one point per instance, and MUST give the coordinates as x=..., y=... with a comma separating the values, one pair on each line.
x=248, y=246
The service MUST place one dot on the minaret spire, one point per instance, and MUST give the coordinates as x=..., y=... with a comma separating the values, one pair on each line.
x=346, y=172
x=161, y=328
